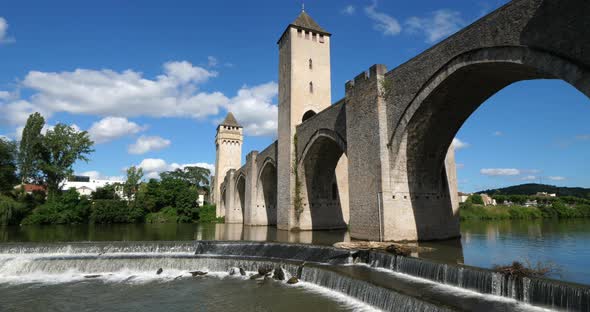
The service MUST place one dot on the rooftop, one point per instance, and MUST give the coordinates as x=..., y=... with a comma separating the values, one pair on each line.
x=230, y=120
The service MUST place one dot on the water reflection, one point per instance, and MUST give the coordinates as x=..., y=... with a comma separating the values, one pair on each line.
x=158, y=232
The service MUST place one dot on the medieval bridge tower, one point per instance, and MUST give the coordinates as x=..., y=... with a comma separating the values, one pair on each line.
x=392, y=133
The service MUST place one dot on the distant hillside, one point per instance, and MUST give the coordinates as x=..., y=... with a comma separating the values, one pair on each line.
x=533, y=188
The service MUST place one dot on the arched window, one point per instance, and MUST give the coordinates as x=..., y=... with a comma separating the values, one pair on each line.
x=310, y=64
x=310, y=87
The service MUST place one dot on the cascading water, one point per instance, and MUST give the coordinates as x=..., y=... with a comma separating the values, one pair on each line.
x=413, y=284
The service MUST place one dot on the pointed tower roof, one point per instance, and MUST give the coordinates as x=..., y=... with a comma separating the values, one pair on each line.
x=230, y=120
x=304, y=21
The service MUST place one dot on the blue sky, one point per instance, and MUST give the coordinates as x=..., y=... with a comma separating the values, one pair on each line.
x=150, y=79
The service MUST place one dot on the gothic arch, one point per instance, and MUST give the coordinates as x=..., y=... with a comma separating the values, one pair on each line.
x=266, y=196
x=324, y=195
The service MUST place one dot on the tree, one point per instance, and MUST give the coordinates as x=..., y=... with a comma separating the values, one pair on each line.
x=8, y=176
x=28, y=154
x=475, y=199
x=134, y=176
x=60, y=148
x=194, y=175
x=108, y=191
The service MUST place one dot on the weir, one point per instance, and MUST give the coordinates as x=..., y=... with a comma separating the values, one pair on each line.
x=384, y=281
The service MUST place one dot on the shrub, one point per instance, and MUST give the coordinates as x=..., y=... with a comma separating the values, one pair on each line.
x=207, y=214
x=115, y=211
x=68, y=208
x=11, y=211
x=166, y=215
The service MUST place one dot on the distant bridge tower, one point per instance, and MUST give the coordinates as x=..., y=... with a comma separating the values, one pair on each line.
x=304, y=90
x=228, y=145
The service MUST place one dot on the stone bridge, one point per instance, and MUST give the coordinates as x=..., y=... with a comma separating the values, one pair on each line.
x=391, y=134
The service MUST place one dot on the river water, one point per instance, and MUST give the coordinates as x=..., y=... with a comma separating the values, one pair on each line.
x=53, y=268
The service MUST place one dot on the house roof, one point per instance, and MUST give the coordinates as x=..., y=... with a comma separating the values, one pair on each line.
x=230, y=120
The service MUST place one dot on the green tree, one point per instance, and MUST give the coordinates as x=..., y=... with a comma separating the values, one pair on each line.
x=134, y=176
x=28, y=154
x=8, y=176
x=475, y=199
x=61, y=147
x=108, y=191
x=194, y=175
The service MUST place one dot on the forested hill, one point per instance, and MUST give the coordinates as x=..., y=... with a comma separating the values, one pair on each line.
x=533, y=188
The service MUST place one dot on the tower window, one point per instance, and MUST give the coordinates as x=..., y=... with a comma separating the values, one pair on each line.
x=321, y=38
x=310, y=64
x=310, y=87
x=313, y=37
x=299, y=31
x=306, y=34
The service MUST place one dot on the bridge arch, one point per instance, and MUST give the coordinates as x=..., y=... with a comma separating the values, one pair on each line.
x=310, y=113
x=323, y=177
x=266, y=192
x=239, y=204
x=420, y=142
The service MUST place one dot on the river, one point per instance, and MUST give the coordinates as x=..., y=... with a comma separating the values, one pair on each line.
x=564, y=243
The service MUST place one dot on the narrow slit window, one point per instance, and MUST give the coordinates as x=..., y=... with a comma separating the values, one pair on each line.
x=306, y=34
x=299, y=33
x=310, y=87
x=310, y=64
x=321, y=38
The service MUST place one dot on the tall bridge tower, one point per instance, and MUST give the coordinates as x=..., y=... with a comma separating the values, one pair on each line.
x=228, y=149
x=304, y=90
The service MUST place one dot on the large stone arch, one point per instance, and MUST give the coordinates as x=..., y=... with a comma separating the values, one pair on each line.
x=322, y=192
x=420, y=142
x=266, y=193
x=238, y=206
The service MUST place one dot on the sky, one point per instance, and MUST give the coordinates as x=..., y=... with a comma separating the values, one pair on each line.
x=150, y=80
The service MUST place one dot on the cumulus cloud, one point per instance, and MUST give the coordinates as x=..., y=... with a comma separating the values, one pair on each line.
x=349, y=10
x=112, y=94
x=110, y=128
x=458, y=144
x=556, y=178
x=437, y=25
x=146, y=144
x=122, y=94
x=152, y=167
x=384, y=23
x=500, y=171
x=497, y=133
x=4, y=31
x=254, y=110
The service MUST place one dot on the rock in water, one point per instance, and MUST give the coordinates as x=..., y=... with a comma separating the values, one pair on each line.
x=232, y=271
x=92, y=276
x=399, y=250
x=264, y=270
x=256, y=276
x=160, y=270
x=242, y=272
x=197, y=273
x=279, y=274
x=293, y=280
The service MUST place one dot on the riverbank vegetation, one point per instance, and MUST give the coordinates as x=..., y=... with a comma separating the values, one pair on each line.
x=46, y=161
x=525, y=207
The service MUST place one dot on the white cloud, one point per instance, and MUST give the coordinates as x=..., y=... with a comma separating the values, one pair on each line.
x=4, y=95
x=212, y=61
x=557, y=178
x=146, y=144
x=497, y=133
x=120, y=94
x=500, y=171
x=349, y=10
x=3, y=31
x=458, y=144
x=128, y=94
x=95, y=175
x=437, y=25
x=152, y=167
x=529, y=178
x=384, y=23
x=110, y=128
x=460, y=166
x=254, y=110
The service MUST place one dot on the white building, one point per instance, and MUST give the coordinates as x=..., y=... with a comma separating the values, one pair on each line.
x=86, y=185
